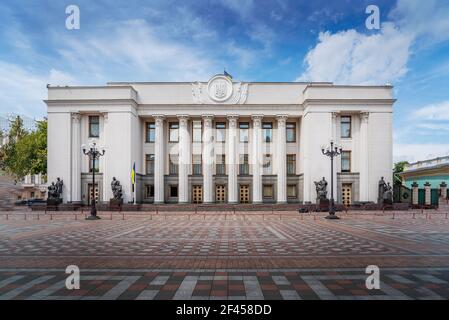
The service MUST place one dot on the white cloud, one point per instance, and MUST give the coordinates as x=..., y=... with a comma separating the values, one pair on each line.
x=24, y=89
x=413, y=152
x=351, y=57
x=438, y=111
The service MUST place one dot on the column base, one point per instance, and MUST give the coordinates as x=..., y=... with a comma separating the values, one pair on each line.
x=257, y=202
x=183, y=202
x=232, y=202
x=281, y=202
x=159, y=202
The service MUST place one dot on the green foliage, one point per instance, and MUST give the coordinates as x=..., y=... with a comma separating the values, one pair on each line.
x=25, y=152
x=398, y=168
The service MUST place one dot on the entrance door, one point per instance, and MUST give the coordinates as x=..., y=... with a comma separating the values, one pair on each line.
x=244, y=194
x=346, y=194
x=91, y=194
x=220, y=193
x=197, y=194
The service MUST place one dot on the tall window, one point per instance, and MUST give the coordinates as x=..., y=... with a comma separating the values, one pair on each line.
x=196, y=160
x=173, y=165
x=267, y=164
x=174, y=132
x=291, y=164
x=291, y=191
x=291, y=131
x=151, y=132
x=220, y=164
x=149, y=163
x=267, y=128
x=268, y=191
x=196, y=131
x=244, y=164
x=244, y=131
x=346, y=161
x=220, y=131
x=174, y=191
x=149, y=191
x=94, y=126
x=346, y=126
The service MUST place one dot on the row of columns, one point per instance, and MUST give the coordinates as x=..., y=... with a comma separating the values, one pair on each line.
x=208, y=159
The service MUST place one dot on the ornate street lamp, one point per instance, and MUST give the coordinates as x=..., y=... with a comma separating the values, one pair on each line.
x=332, y=152
x=94, y=154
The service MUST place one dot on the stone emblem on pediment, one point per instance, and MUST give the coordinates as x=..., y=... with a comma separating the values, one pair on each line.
x=219, y=89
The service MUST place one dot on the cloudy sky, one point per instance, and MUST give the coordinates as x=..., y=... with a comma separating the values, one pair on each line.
x=255, y=40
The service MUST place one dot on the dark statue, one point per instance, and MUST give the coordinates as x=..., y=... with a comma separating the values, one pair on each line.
x=321, y=189
x=116, y=189
x=385, y=194
x=55, y=191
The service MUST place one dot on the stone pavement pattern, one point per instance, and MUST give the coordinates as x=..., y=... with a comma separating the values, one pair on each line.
x=225, y=257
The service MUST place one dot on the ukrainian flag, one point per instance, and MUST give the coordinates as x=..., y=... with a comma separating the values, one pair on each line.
x=133, y=174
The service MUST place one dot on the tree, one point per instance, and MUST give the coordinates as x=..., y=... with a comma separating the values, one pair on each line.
x=398, y=168
x=25, y=152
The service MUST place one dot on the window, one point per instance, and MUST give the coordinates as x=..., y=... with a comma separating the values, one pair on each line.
x=267, y=128
x=151, y=132
x=346, y=127
x=196, y=160
x=243, y=164
x=32, y=194
x=149, y=191
x=291, y=131
x=220, y=165
x=174, y=191
x=268, y=191
x=173, y=166
x=244, y=131
x=196, y=131
x=267, y=164
x=97, y=165
x=173, y=131
x=346, y=161
x=220, y=131
x=149, y=163
x=33, y=178
x=291, y=191
x=291, y=164
x=94, y=126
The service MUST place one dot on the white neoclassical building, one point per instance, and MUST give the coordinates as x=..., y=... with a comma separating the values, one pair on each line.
x=220, y=141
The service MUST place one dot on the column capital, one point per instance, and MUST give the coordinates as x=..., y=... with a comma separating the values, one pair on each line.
x=257, y=119
x=364, y=116
x=281, y=119
x=159, y=119
x=182, y=119
x=232, y=118
x=76, y=117
x=335, y=115
x=207, y=119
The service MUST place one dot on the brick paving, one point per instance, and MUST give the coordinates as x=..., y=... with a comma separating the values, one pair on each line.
x=216, y=256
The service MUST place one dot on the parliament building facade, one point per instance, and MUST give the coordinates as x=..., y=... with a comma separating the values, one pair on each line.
x=220, y=141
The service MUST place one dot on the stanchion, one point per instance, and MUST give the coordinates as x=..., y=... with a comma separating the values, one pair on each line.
x=51, y=216
x=413, y=214
x=393, y=215
x=111, y=215
x=123, y=216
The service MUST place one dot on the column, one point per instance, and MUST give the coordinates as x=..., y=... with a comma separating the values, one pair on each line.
x=427, y=193
x=363, y=156
x=281, y=151
x=159, y=160
x=415, y=193
x=76, y=158
x=257, y=158
x=208, y=159
x=184, y=159
x=232, y=159
x=443, y=189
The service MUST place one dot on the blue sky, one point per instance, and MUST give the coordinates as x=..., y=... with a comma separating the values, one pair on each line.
x=277, y=40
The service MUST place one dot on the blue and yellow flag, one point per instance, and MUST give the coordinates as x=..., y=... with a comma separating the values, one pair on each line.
x=133, y=174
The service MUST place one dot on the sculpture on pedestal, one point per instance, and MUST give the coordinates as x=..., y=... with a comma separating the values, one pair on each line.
x=388, y=194
x=381, y=190
x=55, y=192
x=116, y=191
x=321, y=189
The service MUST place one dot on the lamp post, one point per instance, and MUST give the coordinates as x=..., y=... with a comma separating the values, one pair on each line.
x=332, y=152
x=94, y=154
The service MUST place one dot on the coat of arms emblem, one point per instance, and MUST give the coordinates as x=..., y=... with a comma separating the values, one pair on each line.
x=219, y=89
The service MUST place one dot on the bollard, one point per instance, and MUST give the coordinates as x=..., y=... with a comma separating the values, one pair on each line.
x=123, y=216
x=38, y=217
x=25, y=217
x=51, y=216
x=393, y=214
x=413, y=215
x=111, y=215
x=76, y=216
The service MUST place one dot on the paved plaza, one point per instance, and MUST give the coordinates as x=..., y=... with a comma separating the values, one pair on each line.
x=218, y=256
